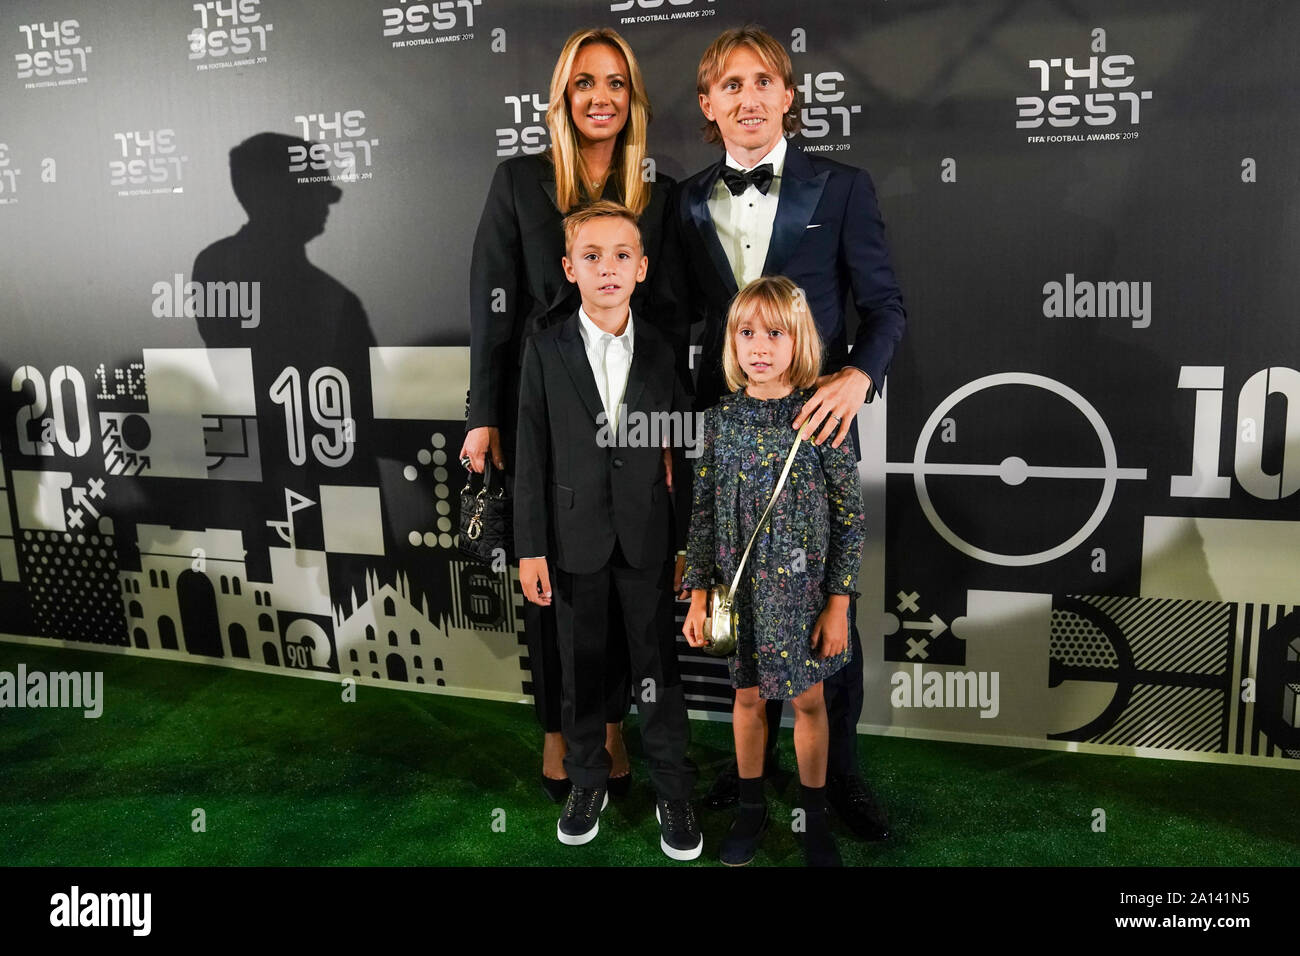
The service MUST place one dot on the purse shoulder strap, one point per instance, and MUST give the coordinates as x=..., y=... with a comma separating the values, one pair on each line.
x=762, y=522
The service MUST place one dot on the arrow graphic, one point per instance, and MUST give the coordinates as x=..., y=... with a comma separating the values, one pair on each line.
x=82, y=500
x=935, y=625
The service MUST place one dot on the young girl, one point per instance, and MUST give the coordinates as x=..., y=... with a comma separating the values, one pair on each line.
x=793, y=599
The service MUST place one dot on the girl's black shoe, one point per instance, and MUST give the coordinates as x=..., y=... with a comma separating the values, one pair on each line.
x=746, y=833
x=818, y=843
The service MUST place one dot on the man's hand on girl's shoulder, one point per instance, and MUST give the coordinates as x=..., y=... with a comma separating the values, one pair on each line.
x=838, y=397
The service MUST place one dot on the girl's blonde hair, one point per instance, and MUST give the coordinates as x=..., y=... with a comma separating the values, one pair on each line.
x=630, y=149
x=776, y=303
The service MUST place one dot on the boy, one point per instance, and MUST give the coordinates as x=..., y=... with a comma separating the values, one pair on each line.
x=602, y=516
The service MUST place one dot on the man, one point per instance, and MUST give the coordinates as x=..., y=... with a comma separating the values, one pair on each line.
x=768, y=208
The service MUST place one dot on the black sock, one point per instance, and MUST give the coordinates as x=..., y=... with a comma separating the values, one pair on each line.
x=814, y=799
x=753, y=808
x=818, y=843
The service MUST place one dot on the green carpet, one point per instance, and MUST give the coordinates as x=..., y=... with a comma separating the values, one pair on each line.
x=288, y=774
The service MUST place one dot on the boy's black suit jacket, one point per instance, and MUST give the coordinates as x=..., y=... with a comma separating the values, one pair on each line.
x=574, y=498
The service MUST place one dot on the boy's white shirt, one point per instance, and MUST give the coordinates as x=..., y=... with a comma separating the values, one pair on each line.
x=610, y=357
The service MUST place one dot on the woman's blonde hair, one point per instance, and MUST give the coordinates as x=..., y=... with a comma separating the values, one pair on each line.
x=631, y=146
x=776, y=303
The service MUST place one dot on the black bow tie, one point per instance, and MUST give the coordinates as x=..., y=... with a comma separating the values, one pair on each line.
x=760, y=177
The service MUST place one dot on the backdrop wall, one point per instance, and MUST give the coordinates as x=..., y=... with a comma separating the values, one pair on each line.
x=1082, y=483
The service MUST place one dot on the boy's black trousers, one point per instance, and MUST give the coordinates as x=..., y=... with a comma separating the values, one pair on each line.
x=582, y=617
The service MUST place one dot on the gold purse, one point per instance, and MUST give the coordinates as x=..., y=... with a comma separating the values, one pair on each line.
x=722, y=622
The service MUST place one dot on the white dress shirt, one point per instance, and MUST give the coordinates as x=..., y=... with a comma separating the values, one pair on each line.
x=744, y=223
x=610, y=357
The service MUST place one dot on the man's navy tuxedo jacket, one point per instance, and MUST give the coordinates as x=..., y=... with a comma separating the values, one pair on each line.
x=828, y=238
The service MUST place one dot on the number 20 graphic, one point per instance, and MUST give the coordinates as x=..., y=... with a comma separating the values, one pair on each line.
x=58, y=422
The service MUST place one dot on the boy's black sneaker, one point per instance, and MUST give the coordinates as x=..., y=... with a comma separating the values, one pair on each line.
x=580, y=821
x=679, y=831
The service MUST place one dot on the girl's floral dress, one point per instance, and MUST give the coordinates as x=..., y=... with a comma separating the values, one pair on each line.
x=811, y=547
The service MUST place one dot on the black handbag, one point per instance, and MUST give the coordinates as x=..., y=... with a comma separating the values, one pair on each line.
x=486, y=516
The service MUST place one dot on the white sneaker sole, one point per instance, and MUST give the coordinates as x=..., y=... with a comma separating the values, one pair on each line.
x=569, y=839
x=673, y=852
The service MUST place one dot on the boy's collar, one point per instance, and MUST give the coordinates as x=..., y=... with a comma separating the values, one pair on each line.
x=591, y=331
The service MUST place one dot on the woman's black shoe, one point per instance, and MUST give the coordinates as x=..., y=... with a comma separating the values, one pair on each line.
x=620, y=786
x=857, y=806
x=556, y=790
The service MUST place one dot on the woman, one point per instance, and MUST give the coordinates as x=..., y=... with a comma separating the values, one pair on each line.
x=598, y=117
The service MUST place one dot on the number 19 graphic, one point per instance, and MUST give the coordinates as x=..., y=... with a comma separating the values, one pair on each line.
x=330, y=402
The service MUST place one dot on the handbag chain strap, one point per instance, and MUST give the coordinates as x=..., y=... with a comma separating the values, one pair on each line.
x=767, y=513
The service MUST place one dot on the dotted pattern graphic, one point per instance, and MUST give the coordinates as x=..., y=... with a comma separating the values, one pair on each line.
x=1080, y=643
x=437, y=459
x=75, y=592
